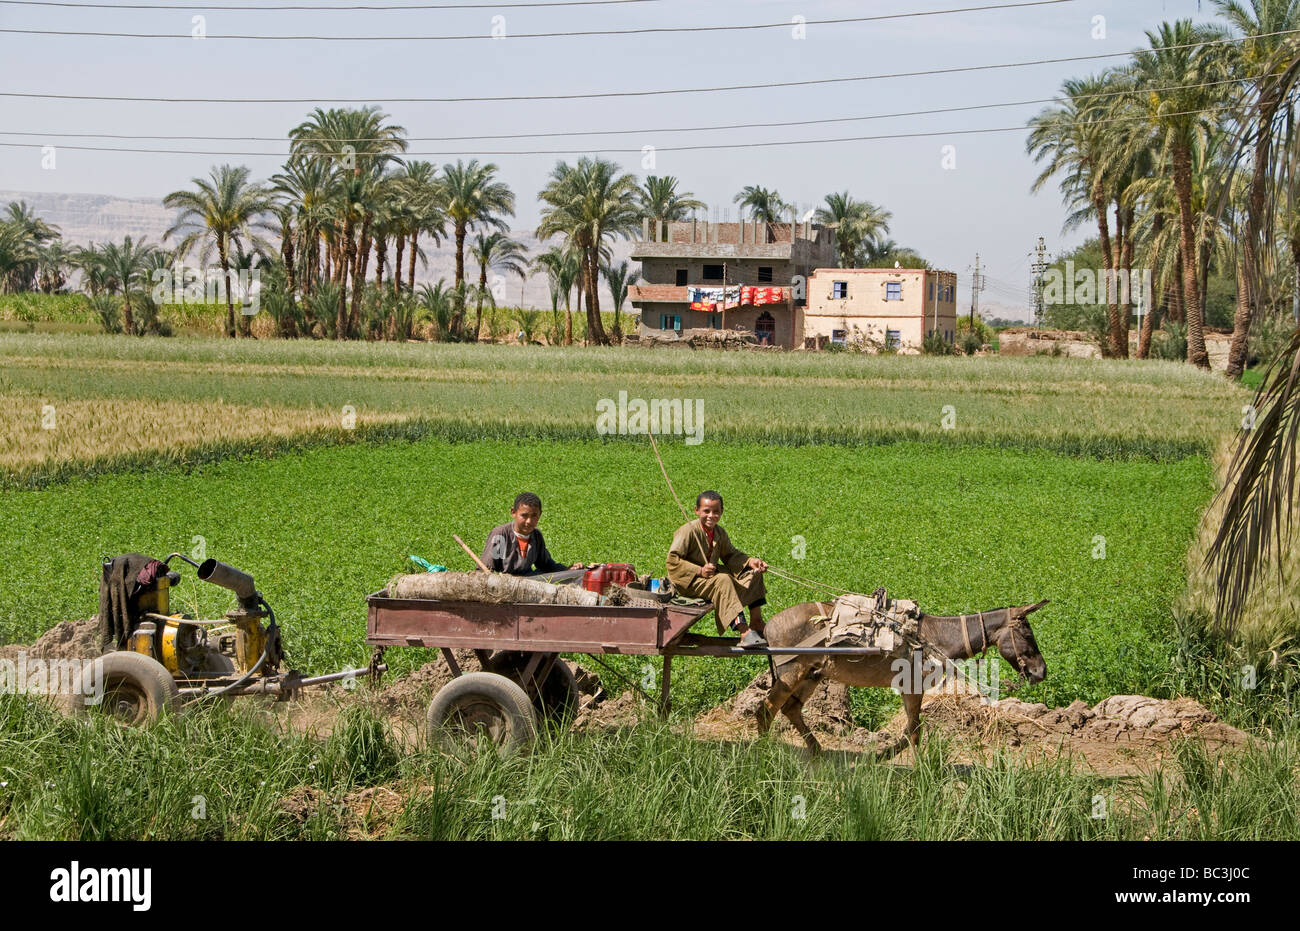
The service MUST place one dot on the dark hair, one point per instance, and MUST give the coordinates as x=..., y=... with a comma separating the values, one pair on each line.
x=708, y=496
x=528, y=498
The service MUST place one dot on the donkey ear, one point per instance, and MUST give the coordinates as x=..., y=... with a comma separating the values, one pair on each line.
x=1030, y=609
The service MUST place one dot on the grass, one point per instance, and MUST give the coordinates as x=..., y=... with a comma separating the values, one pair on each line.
x=225, y=774
x=957, y=529
x=1106, y=410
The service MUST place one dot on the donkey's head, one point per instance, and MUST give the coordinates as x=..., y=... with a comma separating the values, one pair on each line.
x=1015, y=641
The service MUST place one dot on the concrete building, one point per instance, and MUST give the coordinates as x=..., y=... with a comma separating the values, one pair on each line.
x=895, y=306
x=690, y=261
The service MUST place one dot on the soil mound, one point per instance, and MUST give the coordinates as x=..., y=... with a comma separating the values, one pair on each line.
x=65, y=640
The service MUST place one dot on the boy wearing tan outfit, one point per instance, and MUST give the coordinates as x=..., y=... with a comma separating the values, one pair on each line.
x=693, y=568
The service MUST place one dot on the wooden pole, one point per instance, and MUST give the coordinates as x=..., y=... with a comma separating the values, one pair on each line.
x=472, y=554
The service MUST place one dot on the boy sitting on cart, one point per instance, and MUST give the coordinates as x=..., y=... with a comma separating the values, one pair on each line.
x=693, y=558
x=517, y=548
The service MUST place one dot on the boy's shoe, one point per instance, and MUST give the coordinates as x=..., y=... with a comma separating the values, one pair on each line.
x=752, y=640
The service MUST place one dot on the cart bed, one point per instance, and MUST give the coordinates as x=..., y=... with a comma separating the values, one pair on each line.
x=527, y=627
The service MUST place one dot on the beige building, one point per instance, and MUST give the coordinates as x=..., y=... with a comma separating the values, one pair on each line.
x=894, y=306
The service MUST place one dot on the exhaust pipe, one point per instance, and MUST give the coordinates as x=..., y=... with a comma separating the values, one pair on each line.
x=241, y=583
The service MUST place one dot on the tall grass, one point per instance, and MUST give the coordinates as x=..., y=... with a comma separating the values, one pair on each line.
x=227, y=773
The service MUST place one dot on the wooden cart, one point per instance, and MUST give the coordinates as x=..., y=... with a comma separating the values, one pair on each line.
x=518, y=646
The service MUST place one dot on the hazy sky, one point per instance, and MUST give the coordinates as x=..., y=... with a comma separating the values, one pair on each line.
x=982, y=204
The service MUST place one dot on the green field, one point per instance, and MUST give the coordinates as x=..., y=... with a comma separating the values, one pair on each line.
x=1075, y=480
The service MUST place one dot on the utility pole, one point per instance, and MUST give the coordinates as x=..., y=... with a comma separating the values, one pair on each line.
x=1038, y=268
x=976, y=286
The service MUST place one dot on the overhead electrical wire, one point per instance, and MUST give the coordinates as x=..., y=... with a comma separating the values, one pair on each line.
x=569, y=34
x=946, y=133
x=717, y=127
x=722, y=88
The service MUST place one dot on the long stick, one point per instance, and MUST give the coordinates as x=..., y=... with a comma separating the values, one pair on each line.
x=472, y=554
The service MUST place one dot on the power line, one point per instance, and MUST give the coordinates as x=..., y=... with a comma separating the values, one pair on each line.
x=637, y=31
x=965, y=69
x=682, y=148
x=621, y=132
x=320, y=9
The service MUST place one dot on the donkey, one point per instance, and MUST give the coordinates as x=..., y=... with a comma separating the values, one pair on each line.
x=958, y=637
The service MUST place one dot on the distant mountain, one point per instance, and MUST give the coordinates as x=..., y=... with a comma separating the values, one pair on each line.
x=87, y=218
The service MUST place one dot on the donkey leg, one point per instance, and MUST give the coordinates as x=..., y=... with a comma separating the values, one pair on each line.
x=773, y=702
x=794, y=712
x=912, y=705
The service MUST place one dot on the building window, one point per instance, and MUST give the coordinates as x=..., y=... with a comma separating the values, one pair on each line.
x=712, y=272
x=681, y=277
x=670, y=322
x=893, y=290
x=839, y=336
x=765, y=273
x=839, y=289
x=932, y=291
x=892, y=338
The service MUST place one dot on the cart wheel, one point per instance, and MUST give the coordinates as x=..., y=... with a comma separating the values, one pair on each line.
x=137, y=689
x=483, y=705
x=559, y=699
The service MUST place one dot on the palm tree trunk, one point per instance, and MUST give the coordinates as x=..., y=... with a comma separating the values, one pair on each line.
x=1126, y=291
x=1148, y=322
x=410, y=278
x=1196, y=353
x=286, y=252
x=1246, y=270
x=225, y=272
x=1103, y=232
x=341, y=279
x=478, y=310
x=1176, y=293
x=360, y=259
x=128, y=321
x=381, y=256
x=460, y=254
x=595, y=329
x=397, y=262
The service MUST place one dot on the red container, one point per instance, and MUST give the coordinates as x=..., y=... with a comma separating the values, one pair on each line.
x=611, y=573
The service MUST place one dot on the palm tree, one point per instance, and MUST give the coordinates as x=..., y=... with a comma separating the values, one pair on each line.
x=619, y=277
x=19, y=256
x=501, y=253
x=858, y=225
x=53, y=259
x=25, y=237
x=358, y=145
x=307, y=191
x=1076, y=145
x=661, y=202
x=471, y=197
x=764, y=205
x=1173, y=74
x=439, y=306
x=587, y=204
x=224, y=207
x=563, y=270
x=124, y=267
x=1266, y=26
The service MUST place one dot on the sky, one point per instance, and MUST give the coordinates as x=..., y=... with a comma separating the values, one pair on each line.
x=953, y=194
